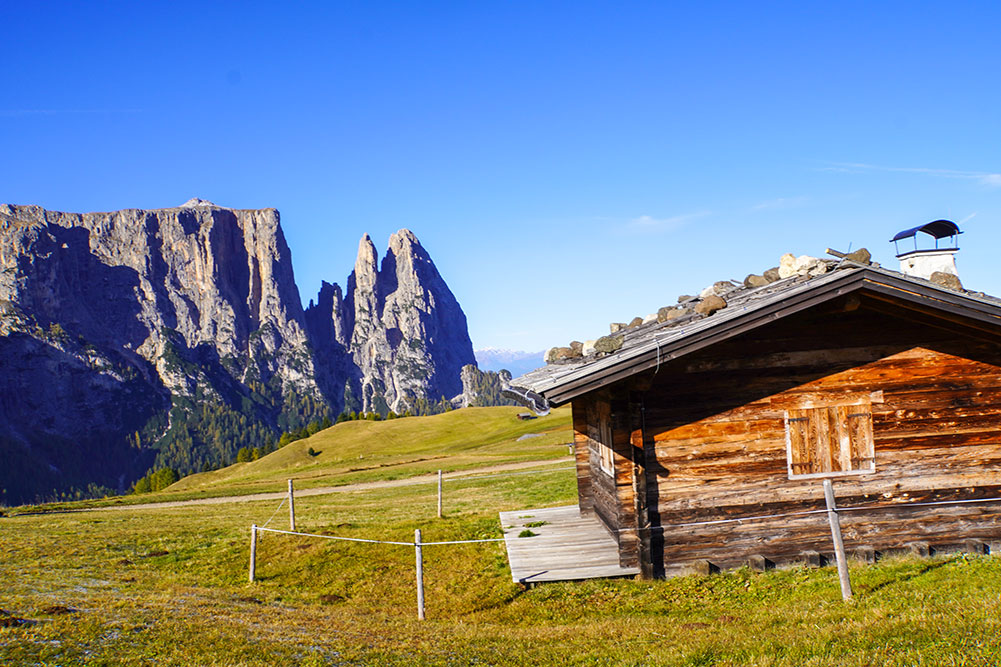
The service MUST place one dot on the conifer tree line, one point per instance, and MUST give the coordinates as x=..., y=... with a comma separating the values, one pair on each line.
x=213, y=431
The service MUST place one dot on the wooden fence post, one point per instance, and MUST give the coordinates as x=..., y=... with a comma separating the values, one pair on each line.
x=439, y=494
x=291, y=507
x=253, y=552
x=839, y=545
x=420, y=575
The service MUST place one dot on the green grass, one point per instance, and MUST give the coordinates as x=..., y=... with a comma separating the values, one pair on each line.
x=368, y=451
x=363, y=451
x=169, y=586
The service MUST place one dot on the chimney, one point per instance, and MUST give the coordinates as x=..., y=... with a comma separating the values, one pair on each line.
x=923, y=262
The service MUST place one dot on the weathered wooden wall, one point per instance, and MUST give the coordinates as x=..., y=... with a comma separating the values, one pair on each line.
x=612, y=497
x=582, y=455
x=714, y=438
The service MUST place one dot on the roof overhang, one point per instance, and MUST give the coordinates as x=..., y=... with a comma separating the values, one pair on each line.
x=723, y=326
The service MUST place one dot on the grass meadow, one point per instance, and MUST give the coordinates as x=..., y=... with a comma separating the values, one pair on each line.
x=129, y=585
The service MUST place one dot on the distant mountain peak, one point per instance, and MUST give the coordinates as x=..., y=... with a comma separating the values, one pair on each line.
x=195, y=202
x=516, y=361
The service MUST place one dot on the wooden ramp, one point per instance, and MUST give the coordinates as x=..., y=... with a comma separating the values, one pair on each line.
x=567, y=547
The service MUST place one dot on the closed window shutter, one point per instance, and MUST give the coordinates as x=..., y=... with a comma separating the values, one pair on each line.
x=829, y=441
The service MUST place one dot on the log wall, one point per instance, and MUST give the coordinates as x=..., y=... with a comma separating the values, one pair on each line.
x=611, y=495
x=713, y=439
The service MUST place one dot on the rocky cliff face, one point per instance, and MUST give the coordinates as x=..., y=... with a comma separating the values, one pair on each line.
x=175, y=336
x=400, y=326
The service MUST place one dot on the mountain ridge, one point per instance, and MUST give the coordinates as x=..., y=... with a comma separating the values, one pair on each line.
x=175, y=336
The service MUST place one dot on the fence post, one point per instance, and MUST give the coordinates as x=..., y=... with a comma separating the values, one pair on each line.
x=839, y=545
x=253, y=551
x=291, y=507
x=439, y=494
x=420, y=575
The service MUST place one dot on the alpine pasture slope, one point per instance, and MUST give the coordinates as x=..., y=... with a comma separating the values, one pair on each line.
x=144, y=585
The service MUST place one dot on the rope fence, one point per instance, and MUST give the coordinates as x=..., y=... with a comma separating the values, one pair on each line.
x=358, y=539
x=832, y=511
x=418, y=544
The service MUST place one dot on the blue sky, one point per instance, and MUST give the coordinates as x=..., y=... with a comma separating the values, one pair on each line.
x=566, y=164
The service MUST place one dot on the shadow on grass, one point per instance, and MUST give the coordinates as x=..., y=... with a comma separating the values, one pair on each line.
x=924, y=569
x=497, y=604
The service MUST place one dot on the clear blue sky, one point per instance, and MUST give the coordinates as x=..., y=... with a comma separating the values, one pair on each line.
x=566, y=164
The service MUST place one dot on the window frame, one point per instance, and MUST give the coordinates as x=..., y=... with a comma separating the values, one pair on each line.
x=606, y=455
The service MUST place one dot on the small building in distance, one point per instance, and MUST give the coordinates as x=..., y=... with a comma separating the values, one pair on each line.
x=736, y=403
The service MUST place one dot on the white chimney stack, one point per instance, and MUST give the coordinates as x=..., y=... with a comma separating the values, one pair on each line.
x=923, y=262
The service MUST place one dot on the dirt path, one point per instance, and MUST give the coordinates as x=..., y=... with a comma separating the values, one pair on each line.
x=345, y=488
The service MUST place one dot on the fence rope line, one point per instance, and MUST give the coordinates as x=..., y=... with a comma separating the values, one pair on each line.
x=334, y=537
x=358, y=539
x=276, y=511
x=489, y=539
x=445, y=478
x=862, y=508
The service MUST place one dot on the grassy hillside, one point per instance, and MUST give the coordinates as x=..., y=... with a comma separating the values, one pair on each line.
x=361, y=451
x=133, y=585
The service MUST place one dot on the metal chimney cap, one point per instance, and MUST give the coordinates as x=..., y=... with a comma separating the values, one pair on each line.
x=937, y=228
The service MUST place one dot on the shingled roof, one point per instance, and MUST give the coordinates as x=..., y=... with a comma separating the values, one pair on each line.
x=648, y=345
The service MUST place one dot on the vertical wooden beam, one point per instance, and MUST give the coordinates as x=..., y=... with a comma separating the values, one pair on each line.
x=640, y=491
x=420, y=574
x=291, y=508
x=439, y=494
x=839, y=545
x=253, y=552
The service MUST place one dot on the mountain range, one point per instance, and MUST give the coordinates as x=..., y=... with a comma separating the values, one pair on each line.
x=516, y=362
x=174, y=337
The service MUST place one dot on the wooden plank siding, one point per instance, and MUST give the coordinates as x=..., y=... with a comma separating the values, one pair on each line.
x=625, y=485
x=616, y=498
x=711, y=435
x=603, y=484
x=582, y=457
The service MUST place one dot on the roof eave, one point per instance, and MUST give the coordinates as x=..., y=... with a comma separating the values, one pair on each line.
x=619, y=367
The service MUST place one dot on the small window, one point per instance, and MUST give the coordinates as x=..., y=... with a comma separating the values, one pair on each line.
x=599, y=433
x=829, y=441
x=606, y=459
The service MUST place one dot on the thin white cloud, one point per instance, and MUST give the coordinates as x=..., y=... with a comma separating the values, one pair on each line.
x=967, y=218
x=985, y=178
x=780, y=203
x=648, y=223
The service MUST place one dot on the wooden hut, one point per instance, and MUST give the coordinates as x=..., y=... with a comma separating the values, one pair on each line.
x=890, y=384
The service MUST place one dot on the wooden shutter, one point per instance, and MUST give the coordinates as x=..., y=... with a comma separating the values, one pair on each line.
x=829, y=441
